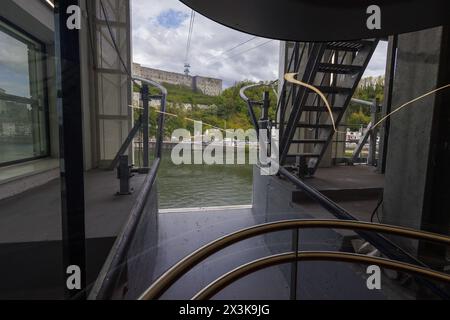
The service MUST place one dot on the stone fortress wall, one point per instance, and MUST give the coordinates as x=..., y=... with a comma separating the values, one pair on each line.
x=207, y=86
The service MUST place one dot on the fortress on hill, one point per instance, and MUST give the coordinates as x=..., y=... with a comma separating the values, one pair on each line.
x=207, y=86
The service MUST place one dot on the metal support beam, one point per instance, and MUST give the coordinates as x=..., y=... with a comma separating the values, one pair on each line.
x=126, y=144
x=124, y=175
x=372, y=159
x=361, y=143
x=294, y=265
x=145, y=116
x=266, y=106
x=71, y=146
x=387, y=104
x=161, y=121
x=385, y=246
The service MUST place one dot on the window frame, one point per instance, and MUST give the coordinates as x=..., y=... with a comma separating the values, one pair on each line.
x=22, y=35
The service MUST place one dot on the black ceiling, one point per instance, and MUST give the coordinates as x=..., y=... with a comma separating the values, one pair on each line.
x=322, y=20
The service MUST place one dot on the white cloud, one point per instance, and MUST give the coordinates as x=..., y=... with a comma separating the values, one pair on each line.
x=161, y=47
x=377, y=65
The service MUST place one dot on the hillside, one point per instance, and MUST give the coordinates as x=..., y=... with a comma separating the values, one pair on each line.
x=229, y=111
x=184, y=94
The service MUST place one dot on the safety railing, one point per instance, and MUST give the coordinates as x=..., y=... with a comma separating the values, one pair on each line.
x=161, y=285
x=106, y=282
x=385, y=246
x=262, y=123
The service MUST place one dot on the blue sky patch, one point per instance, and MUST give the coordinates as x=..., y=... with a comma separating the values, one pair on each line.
x=171, y=18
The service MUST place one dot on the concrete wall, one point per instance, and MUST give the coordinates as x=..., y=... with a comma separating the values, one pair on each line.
x=208, y=86
x=410, y=139
x=162, y=76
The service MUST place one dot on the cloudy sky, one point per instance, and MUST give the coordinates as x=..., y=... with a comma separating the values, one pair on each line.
x=160, y=32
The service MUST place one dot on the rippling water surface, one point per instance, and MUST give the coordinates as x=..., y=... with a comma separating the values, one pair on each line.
x=191, y=186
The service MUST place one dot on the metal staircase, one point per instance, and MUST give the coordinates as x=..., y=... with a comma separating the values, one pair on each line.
x=306, y=129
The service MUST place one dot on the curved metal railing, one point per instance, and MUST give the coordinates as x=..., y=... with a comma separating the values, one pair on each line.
x=160, y=286
x=105, y=283
x=250, y=102
x=293, y=257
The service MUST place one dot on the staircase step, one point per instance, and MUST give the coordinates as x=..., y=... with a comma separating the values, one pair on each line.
x=309, y=141
x=338, y=68
x=352, y=46
x=305, y=155
x=321, y=109
x=314, y=126
x=334, y=90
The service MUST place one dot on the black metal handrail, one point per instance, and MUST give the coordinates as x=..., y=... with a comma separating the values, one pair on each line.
x=106, y=281
x=160, y=286
x=250, y=103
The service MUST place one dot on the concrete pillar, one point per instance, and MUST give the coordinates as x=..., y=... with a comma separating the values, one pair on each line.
x=418, y=155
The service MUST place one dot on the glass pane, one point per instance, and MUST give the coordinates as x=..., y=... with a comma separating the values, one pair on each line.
x=23, y=129
x=19, y=131
x=14, y=68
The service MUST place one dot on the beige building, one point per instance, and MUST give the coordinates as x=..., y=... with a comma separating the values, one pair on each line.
x=205, y=85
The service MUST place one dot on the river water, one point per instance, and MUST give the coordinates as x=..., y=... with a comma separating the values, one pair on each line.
x=193, y=186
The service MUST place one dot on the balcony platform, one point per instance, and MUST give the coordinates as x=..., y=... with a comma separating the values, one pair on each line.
x=182, y=231
x=30, y=234
x=345, y=183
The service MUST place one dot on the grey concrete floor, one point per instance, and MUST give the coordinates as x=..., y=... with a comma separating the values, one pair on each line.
x=347, y=177
x=181, y=233
x=35, y=215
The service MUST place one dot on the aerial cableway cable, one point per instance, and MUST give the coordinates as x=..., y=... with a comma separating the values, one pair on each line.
x=191, y=29
x=252, y=48
x=239, y=45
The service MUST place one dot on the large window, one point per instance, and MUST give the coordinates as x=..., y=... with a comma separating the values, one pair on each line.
x=23, y=110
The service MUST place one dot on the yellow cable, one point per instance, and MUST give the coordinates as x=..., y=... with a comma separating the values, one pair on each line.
x=185, y=118
x=290, y=77
x=408, y=103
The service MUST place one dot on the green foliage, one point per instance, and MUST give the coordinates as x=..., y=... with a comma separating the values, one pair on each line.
x=184, y=94
x=369, y=88
x=356, y=119
x=229, y=111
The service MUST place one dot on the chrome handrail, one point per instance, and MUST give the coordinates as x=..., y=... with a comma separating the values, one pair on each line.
x=251, y=86
x=162, y=114
x=152, y=83
x=250, y=104
x=163, y=283
x=215, y=287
